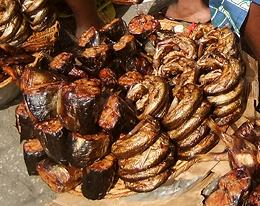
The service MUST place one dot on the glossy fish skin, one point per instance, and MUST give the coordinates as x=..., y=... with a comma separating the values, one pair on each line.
x=149, y=158
x=22, y=34
x=142, y=26
x=53, y=137
x=78, y=107
x=168, y=162
x=149, y=184
x=230, y=118
x=58, y=177
x=83, y=150
x=95, y=58
x=24, y=122
x=117, y=116
x=136, y=92
x=190, y=96
x=158, y=92
x=99, y=178
x=10, y=29
x=33, y=153
x=230, y=76
x=205, y=145
x=30, y=6
x=209, y=77
x=144, y=134
x=190, y=125
x=225, y=110
x=34, y=78
x=39, y=16
x=90, y=38
x=114, y=30
x=62, y=63
x=139, y=63
x=10, y=9
x=194, y=138
x=125, y=47
x=224, y=99
x=41, y=101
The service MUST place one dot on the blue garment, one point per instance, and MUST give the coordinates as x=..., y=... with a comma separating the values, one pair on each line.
x=231, y=13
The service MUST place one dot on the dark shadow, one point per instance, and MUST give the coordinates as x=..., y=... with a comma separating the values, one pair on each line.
x=16, y=101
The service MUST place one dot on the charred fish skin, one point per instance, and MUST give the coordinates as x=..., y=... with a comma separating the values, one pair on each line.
x=205, y=145
x=94, y=58
x=53, y=137
x=149, y=184
x=58, y=177
x=168, y=162
x=24, y=122
x=78, y=101
x=114, y=30
x=108, y=78
x=99, y=178
x=144, y=134
x=149, y=158
x=62, y=63
x=190, y=125
x=90, y=38
x=129, y=79
x=142, y=26
x=117, y=116
x=33, y=153
x=125, y=47
x=190, y=100
x=34, y=78
x=42, y=101
x=139, y=64
x=83, y=150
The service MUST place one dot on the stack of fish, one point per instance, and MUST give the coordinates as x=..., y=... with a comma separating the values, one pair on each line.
x=145, y=156
x=222, y=73
x=128, y=103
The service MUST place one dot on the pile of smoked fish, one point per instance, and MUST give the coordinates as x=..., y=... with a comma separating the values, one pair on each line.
x=240, y=186
x=127, y=103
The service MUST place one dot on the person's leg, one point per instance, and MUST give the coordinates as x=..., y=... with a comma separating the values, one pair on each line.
x=251, y=30
x=85, y=13
x=189, y=10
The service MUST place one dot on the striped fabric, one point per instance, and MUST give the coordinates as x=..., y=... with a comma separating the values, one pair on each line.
x=231, y=13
